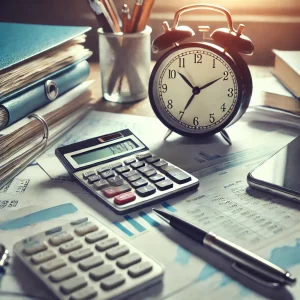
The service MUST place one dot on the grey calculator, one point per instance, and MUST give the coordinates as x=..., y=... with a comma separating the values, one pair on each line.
x=122, y=172
x=85, y=260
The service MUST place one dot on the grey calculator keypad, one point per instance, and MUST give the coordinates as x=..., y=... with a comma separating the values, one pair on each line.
x=87, y=260
x=137, y=179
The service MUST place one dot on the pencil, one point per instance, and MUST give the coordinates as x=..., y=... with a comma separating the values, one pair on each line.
x=97, y=8
x=135, y=15
x=125, y=18
x=145, y=14
x=115, y=11
x=112, y=15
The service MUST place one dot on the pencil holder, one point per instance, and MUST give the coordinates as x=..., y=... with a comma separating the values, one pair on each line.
x=125, y=65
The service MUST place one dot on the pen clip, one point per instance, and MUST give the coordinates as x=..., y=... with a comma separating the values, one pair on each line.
x=254, y=276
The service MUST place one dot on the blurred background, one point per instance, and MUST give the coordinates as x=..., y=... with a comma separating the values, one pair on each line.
x=271, y=24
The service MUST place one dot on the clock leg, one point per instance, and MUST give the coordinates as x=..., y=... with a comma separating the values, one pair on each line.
x=169, y=132
x=226, y=137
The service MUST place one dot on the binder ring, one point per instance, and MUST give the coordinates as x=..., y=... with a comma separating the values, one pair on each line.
x=44, y=123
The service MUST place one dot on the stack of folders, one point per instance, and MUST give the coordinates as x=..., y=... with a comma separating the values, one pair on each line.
x=43, y=90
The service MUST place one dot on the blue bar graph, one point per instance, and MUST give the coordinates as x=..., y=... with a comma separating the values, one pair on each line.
x=169, y=207
x=135, y=224
x=123, y=228
x=148, y=219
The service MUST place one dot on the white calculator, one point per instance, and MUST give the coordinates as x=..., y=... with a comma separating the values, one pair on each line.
x=85, y=260
x=121, y=171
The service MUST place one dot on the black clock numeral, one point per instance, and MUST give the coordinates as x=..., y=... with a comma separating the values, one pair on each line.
x=225, y=76
x=170, y=104
x=230, y=92
x=198, y=59
x=212, y=118
x=164, y=88
x=214, y=63
x=223, y=107
x=172, y=74
x=181, y=115
x=181, y=62
x=196, y=121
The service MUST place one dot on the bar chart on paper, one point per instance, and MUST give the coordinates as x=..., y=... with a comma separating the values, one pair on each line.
x=140, y=222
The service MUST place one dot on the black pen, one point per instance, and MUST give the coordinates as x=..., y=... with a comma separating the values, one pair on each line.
x=244, y=261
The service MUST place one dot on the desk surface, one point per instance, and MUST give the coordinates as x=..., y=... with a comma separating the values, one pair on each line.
x=143, y=108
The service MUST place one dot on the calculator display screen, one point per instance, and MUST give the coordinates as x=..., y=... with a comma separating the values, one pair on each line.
x=101, y=153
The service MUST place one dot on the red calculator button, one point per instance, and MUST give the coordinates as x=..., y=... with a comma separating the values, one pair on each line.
x=125, y=198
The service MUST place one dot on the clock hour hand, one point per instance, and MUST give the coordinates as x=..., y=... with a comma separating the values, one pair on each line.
x=186, y=80
x=209, y=84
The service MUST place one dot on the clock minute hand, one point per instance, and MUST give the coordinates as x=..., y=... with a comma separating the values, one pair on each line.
x=186, y=80
x=189, y=102
x=209, y=84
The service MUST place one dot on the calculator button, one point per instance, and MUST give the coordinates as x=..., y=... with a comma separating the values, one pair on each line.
x=156, y=178
x=145, y=169
x=86, y=175
x=112, y=192
x=94, y=178
x=178, y=176
x=116, y=181
x=80, y=221
x=116, y=165
x=152, y=160
x=143, y=156
x=91, y=263
x=138, y=164
x=106, y=244
x=150, y=173
x=112, y=282
x=101, y=185
x=128, y=260
x=42, y=257
x=117, y=252
x=125, y=198
x=164, y=185
x=103, y=169
x=85, y=229
x=53, y=230
x=96, y=236
x=159, y=164
x=140, y=269
x=122, y=170
x=108, y=174
x=134, y=178
x=167, y=169
x=80, y=254
x=73, y=284
x=70, y=246
x=84, y=294
x=130, y=174
x=140, y=183
x=129, y=161
x=102, y=272
x=61, y=238
x=146, y=191
x=62, y=274
x=29, y=250
x=52, y=265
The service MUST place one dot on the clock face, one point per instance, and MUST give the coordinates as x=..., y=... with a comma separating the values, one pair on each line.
x=195, y=90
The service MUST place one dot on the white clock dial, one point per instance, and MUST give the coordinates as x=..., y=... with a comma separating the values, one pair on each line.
x=197, y=88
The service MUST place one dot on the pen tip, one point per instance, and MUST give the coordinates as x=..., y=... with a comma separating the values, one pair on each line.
x=163, y=215
x=290, y=279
